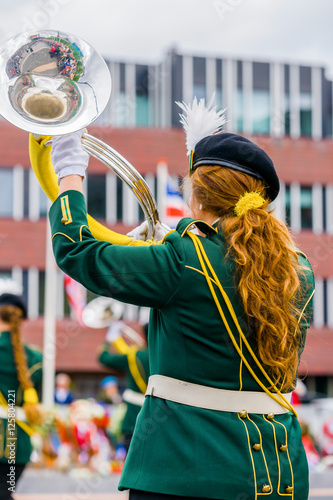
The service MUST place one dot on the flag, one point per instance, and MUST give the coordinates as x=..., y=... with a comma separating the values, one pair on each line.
x=172, y=206
x=76, y=297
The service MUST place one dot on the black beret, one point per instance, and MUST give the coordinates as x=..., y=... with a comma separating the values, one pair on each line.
x=9, y=299
x=238, y=153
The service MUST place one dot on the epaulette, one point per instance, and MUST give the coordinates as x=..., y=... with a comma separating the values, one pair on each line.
x=187, y=224
x=299, y=252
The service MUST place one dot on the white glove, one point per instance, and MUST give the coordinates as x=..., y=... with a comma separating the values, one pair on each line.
x=141, y=232
x=68, y=156
x=161, y=230
x=114, y=331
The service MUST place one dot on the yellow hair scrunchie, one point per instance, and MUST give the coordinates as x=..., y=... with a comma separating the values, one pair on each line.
x=247, y=202
x=30, y=396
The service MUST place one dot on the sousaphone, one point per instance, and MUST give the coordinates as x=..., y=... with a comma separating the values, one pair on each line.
x=54, y=83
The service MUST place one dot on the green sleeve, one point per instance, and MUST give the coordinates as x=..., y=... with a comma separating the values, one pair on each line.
x=116, y=361
x=141, y=275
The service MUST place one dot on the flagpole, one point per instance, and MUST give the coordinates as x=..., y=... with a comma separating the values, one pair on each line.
x=49, y=339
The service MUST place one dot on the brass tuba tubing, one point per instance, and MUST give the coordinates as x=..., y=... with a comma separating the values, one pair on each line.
x=126, y=172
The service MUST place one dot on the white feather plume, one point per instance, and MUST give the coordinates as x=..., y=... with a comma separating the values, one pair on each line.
x=8, y=285
x=199, y=121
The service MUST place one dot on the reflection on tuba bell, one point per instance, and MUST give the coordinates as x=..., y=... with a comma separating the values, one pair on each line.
x=54, y=83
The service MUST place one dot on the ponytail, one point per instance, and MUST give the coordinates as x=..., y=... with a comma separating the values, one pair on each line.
x=266, y=266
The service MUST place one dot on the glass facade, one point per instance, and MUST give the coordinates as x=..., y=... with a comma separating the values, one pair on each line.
x=305, y=84
x=199, y=78
x=306, y=207
x=306, y=114
x=286, y=99
x=141, y=96
x=261, y=111
x=261, y=99
x=239, y=98
x=219, y=85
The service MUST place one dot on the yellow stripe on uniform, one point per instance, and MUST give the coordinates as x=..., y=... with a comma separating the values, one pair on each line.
x=66, y=213
x=131, y=356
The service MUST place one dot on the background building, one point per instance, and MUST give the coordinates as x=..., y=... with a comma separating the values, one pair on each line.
x=284, y=108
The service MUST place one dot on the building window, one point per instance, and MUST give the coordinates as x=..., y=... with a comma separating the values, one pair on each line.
x=141, y=96
x=199, y=77
x=43, y=203
x=119, y=199
x=96, y=195
x=5, y=274
x=286, y=99
x=327, y=94
x=261, y=99
x=325, y=296
x=6, y=198
x=239, y=101
x=261, y=111
x=219, y=90
x=305, y=114
x=305, y=101
x=306, y=207
x=287, y=204
x=41, y=293
x=176, y=87
x=26, y=193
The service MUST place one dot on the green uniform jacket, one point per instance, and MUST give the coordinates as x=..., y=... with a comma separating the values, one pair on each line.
x=178, y=449
x=121, y=362
x=9, y=382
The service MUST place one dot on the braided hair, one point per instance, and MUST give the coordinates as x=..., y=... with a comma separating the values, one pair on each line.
x=14, y=315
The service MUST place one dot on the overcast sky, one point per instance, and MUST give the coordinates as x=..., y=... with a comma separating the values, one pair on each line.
x=143, y=30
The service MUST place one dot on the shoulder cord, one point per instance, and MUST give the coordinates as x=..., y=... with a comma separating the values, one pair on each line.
x=131, y=356
x=25, y=427
x=203, y=257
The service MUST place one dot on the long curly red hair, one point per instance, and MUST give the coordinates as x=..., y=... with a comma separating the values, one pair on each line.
x=266, y=265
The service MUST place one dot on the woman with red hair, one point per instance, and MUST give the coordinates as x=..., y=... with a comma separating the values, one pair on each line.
x=231, y=303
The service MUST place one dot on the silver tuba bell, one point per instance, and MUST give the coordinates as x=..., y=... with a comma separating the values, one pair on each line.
x=103, y=311
x=54, y=83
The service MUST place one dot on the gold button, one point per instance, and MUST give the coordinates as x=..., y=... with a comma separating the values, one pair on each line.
x=266, y=488
x=283, y=447
x=257, y=446
x=243, y=414
x=63, y=220
x=270, y=416
x=289, y=489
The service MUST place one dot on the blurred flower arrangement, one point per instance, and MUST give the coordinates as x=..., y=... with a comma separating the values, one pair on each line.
x=80, y=435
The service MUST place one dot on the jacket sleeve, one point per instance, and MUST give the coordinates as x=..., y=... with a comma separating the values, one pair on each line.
x=141, y=275
x=116, y=361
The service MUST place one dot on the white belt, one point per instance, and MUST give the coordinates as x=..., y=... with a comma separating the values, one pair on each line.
x=210, y=398
x=16, y=412
x=135, y=398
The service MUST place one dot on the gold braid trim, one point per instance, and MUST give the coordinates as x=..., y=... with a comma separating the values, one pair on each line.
x=140, y=382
